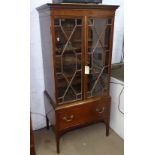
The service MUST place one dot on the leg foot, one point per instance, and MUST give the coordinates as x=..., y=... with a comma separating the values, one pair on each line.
x=47, y=123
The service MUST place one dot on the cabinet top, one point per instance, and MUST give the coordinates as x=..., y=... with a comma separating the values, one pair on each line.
x=76, y=6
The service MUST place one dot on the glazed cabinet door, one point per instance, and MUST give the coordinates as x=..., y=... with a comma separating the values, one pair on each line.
x=98, y=56
x=68, y=58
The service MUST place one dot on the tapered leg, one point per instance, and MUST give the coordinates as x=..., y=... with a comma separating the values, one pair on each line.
x=57, y=142
x=47, y=123
x=107, y=129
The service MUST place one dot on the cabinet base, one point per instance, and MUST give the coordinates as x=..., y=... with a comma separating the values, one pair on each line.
x=79, y=114
x=58, y=134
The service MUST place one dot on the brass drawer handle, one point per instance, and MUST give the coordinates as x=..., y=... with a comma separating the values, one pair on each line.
x=100, y=111
x=68, y=119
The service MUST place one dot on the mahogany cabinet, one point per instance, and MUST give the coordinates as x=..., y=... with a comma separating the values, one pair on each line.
x=77, y=50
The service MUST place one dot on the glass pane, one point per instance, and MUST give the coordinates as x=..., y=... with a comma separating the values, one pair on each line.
x=107, y=37
x=76, y=84
x=79, y=22
x=60, y=40
x=69, y=63
x=57, y=22
x=62, y=85
x=90, y=22
x=70, y=95
x=98, y=55
x=68, y=36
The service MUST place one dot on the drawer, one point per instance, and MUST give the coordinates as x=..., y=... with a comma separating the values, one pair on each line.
x=82, y=113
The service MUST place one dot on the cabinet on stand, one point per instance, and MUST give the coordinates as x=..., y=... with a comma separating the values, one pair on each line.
x=77, y=50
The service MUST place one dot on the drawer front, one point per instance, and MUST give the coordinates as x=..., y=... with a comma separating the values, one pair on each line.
x=82, y=114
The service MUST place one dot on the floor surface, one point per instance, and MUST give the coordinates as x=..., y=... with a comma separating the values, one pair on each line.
x=89, y=140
